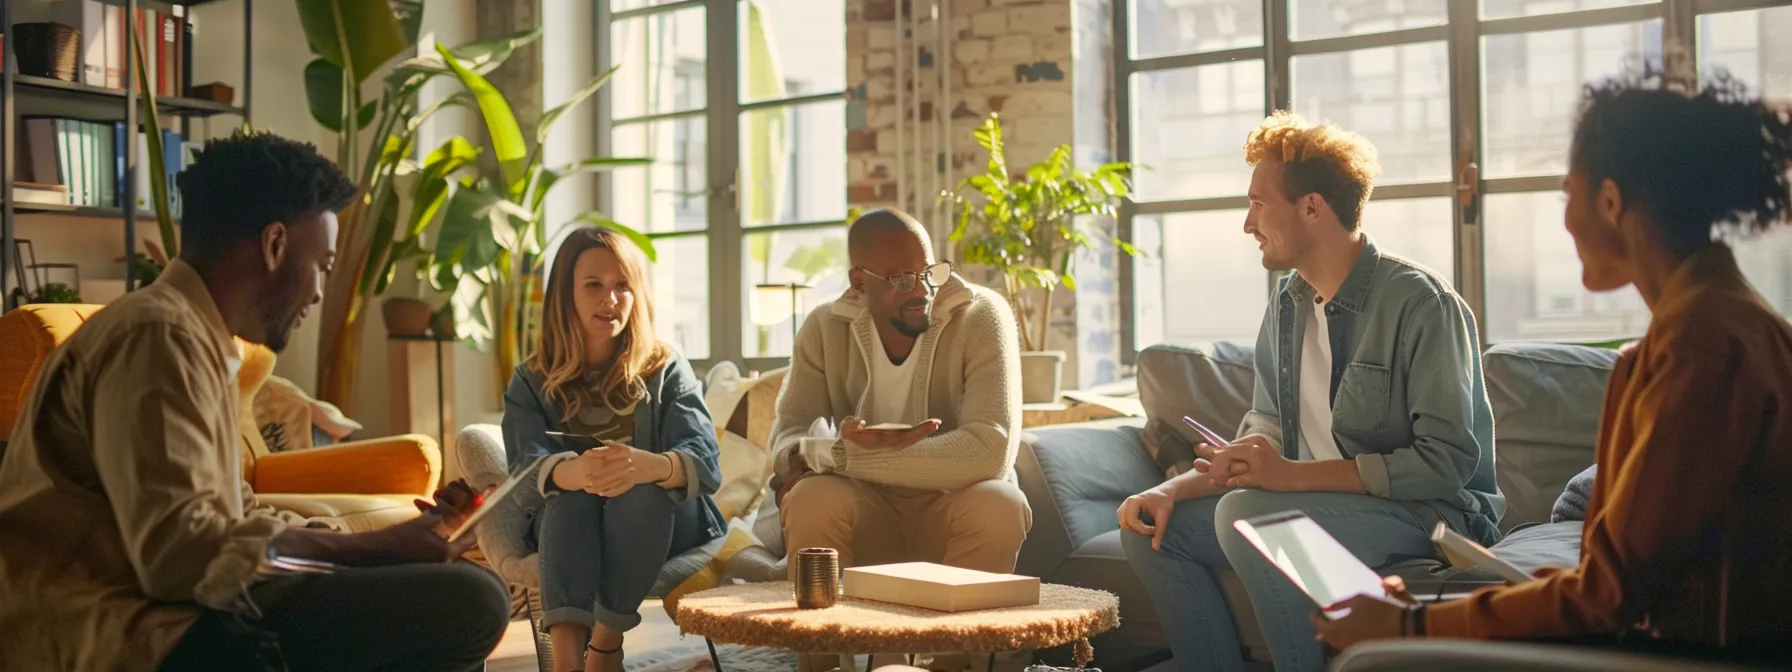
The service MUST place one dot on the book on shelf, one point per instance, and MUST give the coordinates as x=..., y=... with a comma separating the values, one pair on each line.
x=88, y=158
x=101, y=56
x=939, y=587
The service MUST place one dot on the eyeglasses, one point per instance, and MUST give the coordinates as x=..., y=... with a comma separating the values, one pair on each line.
x=904, y=283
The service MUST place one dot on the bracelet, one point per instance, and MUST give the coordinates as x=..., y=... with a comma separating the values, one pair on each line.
x=671, y=469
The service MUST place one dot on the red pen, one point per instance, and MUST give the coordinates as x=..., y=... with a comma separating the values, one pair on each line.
x=1212, y=438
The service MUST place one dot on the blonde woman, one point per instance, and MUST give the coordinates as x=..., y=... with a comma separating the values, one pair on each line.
x=634, y=488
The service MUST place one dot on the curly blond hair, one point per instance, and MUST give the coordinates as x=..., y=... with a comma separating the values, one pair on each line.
x=1323, y=159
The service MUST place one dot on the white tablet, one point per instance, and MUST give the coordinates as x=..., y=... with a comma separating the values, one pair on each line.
x=1314, y=560
x=517, y=476
x=1462, y=550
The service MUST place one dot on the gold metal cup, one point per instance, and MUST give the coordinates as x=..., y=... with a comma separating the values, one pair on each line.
x=817, y=578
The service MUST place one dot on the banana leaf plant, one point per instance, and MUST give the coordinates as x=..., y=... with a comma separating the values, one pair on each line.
x=372, y=242
x=1026, y=226
x=486, y=255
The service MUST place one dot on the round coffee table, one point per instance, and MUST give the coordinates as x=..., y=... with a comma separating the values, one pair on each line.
x=765, y=614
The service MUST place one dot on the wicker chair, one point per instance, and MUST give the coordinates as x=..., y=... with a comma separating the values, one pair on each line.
x=478, y=456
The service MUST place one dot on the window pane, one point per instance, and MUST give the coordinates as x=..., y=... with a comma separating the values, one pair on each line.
x=1501, y=9
x=1397, y=97
x=1165, y=27
x=1415, y=228
x=791, y=48
x=793, y=164
x=1533, y=88
x=1311, y=19
x=1200, y=279
x=671, y=194
x=1189, y=126
x=813, y=257
x=1734, y=42
x=681, y=293
x=1767, y=262
x=1534, y=289
x=663, y=64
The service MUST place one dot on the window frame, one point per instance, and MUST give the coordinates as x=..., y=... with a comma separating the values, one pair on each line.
x=1462, y=34
x=726, y=230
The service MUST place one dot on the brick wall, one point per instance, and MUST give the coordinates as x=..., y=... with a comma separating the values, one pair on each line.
x=1012, y=57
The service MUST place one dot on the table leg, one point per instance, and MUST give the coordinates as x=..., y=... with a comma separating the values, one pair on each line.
x=714, y=658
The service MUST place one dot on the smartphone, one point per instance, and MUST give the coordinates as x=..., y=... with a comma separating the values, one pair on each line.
x=1213, y=439
x=1313, y=559
x=888, y=427
x=578, y=442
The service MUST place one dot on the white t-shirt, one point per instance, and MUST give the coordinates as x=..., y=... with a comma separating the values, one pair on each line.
x=891, y=385
x=1316, y=441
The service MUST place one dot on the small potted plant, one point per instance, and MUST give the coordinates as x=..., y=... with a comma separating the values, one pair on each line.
x=1025, y=227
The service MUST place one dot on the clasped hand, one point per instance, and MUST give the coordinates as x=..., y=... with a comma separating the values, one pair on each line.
x=611, y=469
x=1249, y=462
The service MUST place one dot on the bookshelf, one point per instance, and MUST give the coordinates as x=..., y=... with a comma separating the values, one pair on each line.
x=85, y=101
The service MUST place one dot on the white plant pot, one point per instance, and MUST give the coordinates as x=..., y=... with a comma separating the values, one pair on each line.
x=1041, y=376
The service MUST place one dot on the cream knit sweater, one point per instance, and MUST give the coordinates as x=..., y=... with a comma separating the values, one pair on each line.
x=968, y=376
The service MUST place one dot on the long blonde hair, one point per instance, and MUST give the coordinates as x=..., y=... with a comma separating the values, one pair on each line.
x=560, y=356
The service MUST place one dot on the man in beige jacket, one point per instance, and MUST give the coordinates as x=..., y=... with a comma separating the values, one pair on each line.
x=908, y=344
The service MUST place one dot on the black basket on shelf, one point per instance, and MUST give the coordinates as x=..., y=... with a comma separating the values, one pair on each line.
x=47, y=50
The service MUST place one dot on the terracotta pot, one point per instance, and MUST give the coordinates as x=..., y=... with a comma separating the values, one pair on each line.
x=405, y=317
x=441, y=326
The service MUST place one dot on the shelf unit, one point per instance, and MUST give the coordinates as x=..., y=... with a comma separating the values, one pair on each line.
x=58, y=94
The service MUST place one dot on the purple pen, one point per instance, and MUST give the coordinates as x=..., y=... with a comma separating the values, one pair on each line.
x=1212, y=438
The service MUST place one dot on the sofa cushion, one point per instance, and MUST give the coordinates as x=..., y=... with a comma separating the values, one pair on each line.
x=1572, y=505
x=1074, y=477
x=1546, y=403
x=1211, y=384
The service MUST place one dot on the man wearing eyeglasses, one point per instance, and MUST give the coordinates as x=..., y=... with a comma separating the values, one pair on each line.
x=920, y=372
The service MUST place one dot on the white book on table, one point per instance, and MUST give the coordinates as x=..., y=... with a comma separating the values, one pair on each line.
x=939, y=587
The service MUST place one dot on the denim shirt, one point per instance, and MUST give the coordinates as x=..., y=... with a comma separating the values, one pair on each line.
x=1408, y=400
x=671, y=418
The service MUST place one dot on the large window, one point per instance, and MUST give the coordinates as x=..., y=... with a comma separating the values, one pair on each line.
x=741, y=105
x=1460, y=97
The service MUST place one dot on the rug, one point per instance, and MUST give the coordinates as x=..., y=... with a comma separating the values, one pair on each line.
x=693, y=656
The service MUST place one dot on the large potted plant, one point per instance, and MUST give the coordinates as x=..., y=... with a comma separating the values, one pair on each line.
x=1026, y=226
x=353, y=40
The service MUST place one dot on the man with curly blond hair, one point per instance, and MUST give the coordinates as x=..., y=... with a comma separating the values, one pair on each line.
x=1370, y=414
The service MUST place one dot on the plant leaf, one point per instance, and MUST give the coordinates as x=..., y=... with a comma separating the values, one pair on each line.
x=507, y=143
x=323, y=93
x=431, y=190
x=157, y=159
x=552, y=176
x=546, y=126
x=640, y=240
x=358, y=36
x=480, y=56
x=410, y=18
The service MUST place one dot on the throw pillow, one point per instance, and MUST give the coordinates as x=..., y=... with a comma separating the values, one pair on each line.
x=1213, y=385
x=286, y=416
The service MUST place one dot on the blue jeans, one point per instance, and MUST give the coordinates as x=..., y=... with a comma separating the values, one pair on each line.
x=1200, y=541
x=600, y=556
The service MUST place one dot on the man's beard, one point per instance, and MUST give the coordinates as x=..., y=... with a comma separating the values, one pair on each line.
x=910, y=330
x=278, y=330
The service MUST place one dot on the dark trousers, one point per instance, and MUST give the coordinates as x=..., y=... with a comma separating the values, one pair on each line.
x=436, y=617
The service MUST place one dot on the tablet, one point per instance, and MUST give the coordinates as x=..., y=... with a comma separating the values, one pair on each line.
x=1461, y=550
x=1314, y=560
x=519, y=475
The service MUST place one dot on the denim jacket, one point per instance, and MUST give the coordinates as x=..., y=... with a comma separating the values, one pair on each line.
x=1408, y=401
x=671, y=418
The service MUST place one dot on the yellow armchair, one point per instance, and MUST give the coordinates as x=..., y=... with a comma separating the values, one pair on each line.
x=364, y=484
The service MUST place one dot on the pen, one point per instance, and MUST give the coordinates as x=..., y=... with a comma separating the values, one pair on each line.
x=1212, y=438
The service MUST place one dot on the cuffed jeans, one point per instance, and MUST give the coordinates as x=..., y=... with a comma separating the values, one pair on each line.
x=1200, y=541
x=600, y=556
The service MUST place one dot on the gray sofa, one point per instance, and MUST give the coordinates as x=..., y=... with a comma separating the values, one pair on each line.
x=1546, y=400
